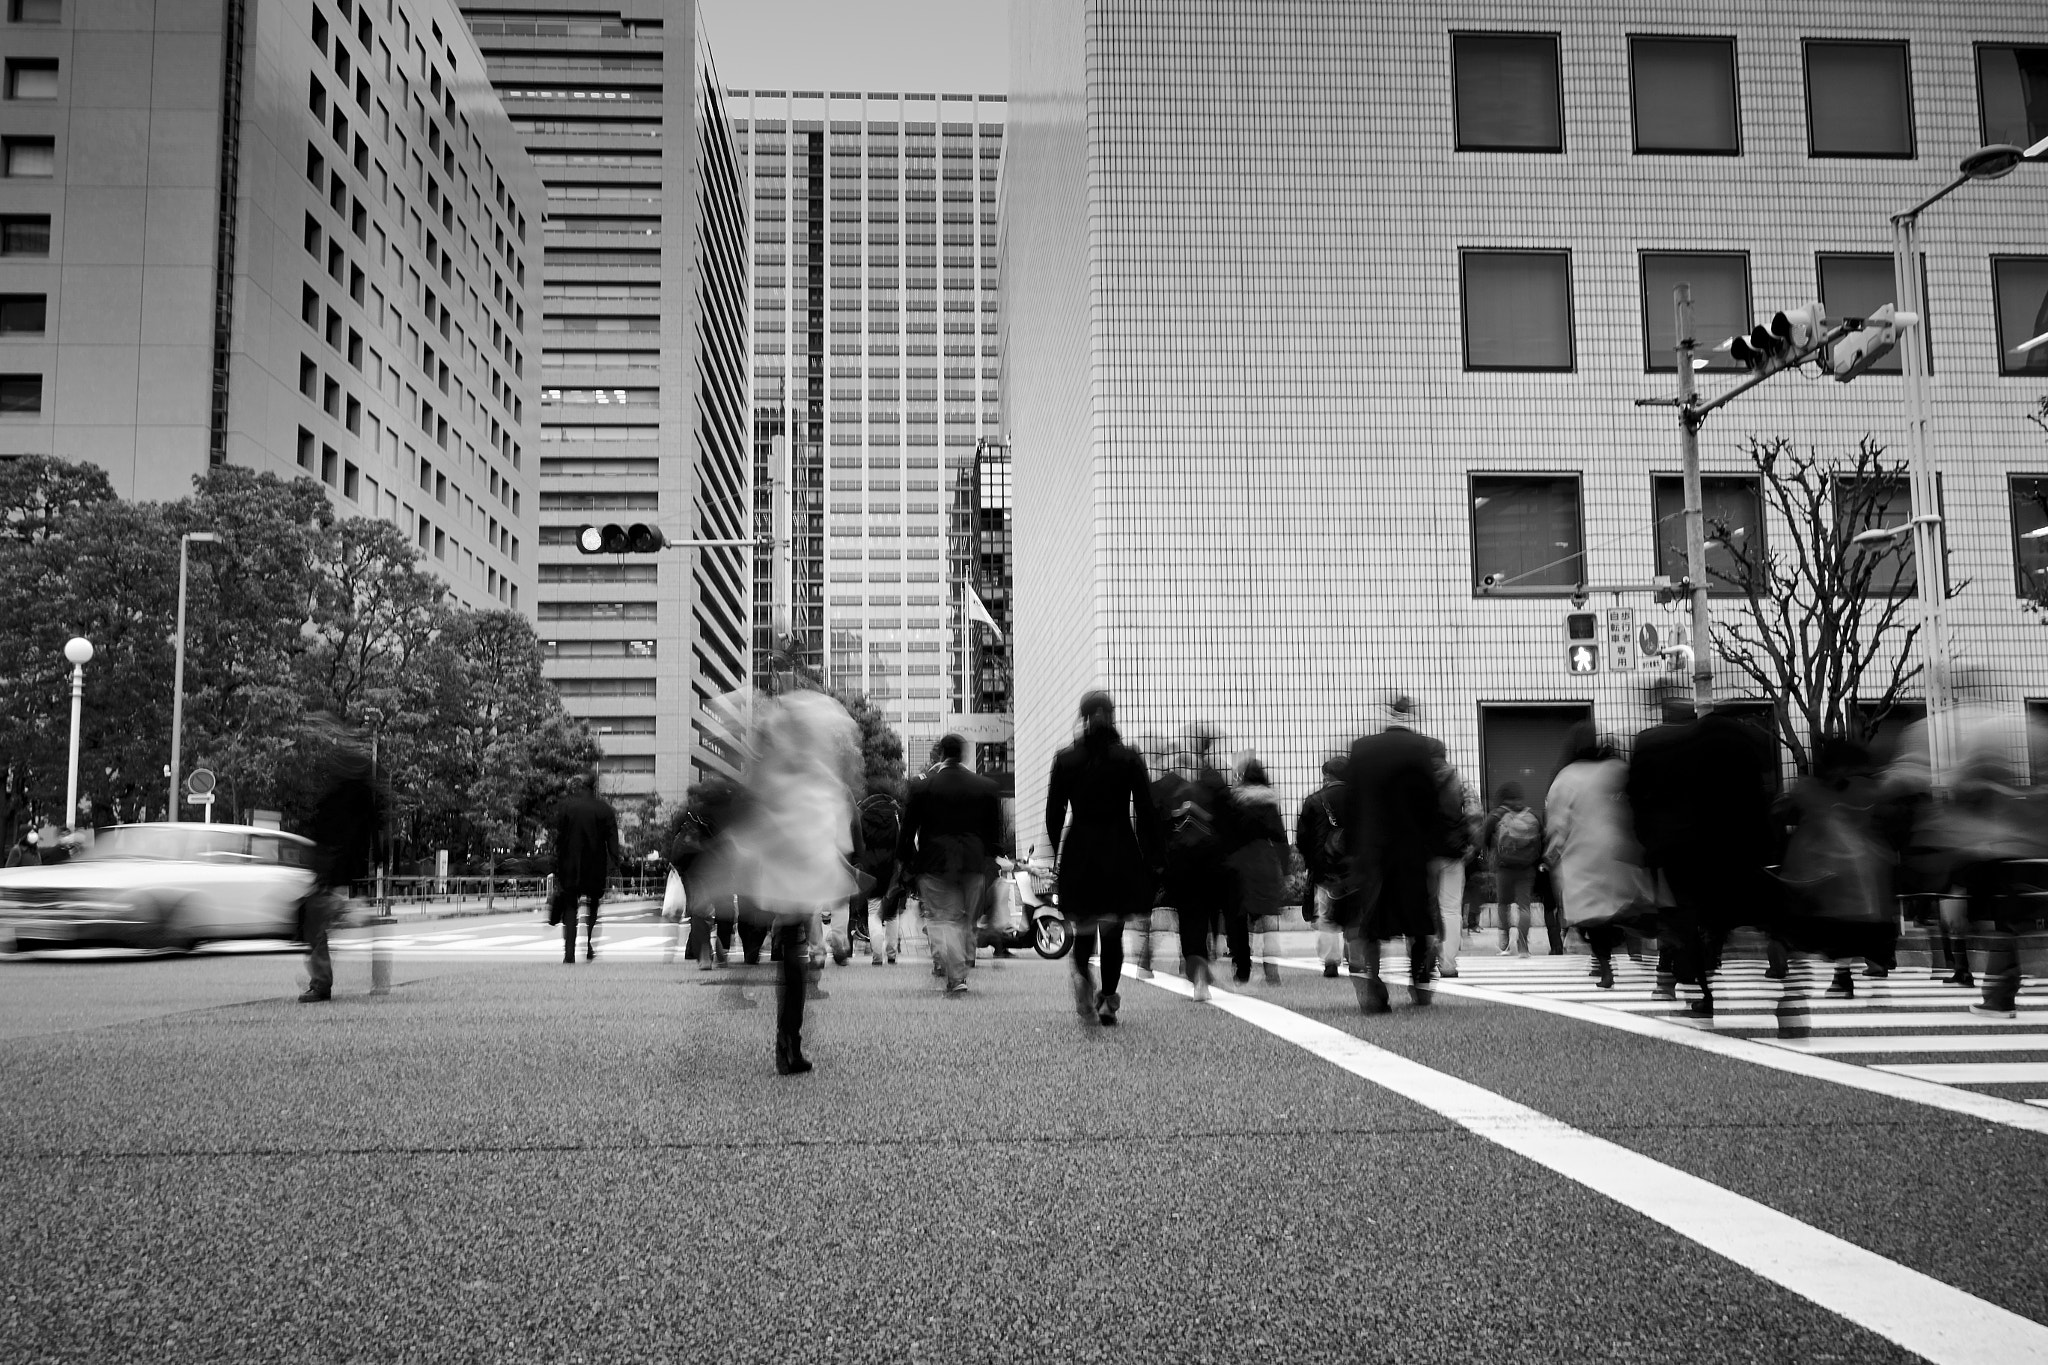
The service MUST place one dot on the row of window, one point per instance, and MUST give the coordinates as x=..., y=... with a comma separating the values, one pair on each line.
x=1527, y=530
x=1685, y=96
x=1517, y=305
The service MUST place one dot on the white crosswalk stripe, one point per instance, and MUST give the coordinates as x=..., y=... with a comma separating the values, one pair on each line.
x=1889, y=1020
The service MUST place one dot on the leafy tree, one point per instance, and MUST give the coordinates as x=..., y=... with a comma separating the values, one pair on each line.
x=881, y=748
x=1810, y=634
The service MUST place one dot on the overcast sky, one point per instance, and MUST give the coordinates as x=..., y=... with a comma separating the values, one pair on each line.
x=936, y=46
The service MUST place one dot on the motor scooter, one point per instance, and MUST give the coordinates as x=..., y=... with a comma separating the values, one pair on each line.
x=1035, y=887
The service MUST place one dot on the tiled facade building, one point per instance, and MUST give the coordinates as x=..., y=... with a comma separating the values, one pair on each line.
x=1317, y=315
x=875, y=352
x=643, y=412
x=294, y=235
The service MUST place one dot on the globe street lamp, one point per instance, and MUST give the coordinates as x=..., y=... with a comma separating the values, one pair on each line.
x=78, y=650
x=1929, y=550
x=178, y=667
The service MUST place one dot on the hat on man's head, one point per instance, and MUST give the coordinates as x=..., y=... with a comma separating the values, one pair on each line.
x=1334, y=765
x=1401, y=709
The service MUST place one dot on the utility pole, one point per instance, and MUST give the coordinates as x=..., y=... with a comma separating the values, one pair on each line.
x=1689, y=419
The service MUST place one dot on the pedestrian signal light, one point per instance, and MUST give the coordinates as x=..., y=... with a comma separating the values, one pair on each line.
x=614, y=539
x=1582, y=642
x=1859, y=350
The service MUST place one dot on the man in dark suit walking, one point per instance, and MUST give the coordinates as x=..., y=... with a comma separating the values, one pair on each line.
x=952, y=823
x=586, y=847
x=1393, y=821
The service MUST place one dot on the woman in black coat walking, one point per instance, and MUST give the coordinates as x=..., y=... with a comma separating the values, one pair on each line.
x=1111, y=852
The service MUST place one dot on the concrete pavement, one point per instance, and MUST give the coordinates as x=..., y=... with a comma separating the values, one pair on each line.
x=518, y=1160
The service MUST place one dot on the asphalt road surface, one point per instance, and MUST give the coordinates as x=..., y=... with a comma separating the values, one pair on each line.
x=510, y=1159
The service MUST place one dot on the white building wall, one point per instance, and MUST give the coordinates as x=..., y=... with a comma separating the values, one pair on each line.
x=1280, y=422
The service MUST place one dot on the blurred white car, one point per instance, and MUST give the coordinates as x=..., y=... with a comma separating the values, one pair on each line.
x=162, y=886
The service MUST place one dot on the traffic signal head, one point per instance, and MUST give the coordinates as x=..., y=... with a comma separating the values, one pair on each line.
x=613, y=539
x=1798, y=328
x=1755, y=350
x=1858, y=351
x=1582, y=642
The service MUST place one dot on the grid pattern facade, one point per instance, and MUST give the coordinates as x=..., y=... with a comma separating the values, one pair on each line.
x=1246, y=411
x=643, y=413
x=294, y=235
x=876, y=351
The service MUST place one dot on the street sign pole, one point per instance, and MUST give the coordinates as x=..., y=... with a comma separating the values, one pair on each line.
x=1689, y=419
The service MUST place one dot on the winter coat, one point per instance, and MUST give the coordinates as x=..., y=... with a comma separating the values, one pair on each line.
x=1322, y=813
x=1699, y=796
x=1258, y=863
x=1109, y=853
x=1392, y=820
x=1489, y=836
x=952, y=824
x=586, y=843
x=1594, y=862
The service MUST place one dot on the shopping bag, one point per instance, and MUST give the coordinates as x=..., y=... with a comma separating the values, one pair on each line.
x=675, y=901
x=1008, y=917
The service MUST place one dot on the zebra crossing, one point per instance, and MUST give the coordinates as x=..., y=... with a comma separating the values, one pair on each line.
x=1906, y=1024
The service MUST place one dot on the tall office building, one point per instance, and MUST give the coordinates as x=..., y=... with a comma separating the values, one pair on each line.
x=1317, y=315
x=295, y=235
x=875, y=352
x=643, y=415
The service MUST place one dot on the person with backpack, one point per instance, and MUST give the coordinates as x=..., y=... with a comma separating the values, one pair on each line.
x=1319, y=835
x=1194, y=880
x=1513, y=840
x=879, y=913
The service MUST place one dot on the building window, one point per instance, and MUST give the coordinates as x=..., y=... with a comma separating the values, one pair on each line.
x=351, y=481
x=1735, y=504
x=1526, y=532
x=21, y=393
x=1859, y=99
x=2021, y=286
x=22, y=315
x=35, y=11
x=2012, y=93
x=305, y=448
x=1855, y=284
x=1518, y=309
x=2029, y=493
x=1720, y=305
x=30, y=158
x=1507, y=92
x=1868, y=505
x=29, y=79
x=328, y=462
x=25, y=235
x=1682, y=91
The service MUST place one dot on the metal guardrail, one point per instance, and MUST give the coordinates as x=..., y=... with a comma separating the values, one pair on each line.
x=415, y=893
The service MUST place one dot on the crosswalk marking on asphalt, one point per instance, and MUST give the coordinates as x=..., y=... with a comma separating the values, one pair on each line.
x=1916, y=1311
x=1914, y=1007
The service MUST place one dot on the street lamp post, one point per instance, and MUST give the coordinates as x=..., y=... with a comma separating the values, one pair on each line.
x=1930, y=568
x=178, y=665
x=78, y=650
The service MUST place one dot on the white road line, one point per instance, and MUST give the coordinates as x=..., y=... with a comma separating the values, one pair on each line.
x=1973, y=1073
x=1929, y=1042
x=1916, y=1311
x=1989, y=1108
x=1729, y=1023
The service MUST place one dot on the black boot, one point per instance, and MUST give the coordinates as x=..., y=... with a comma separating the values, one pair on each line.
x=590, y=940
x=569, y=939
x=1372, y=996
x=1105, y=1009
x=1603, y=973
x=789, y=1056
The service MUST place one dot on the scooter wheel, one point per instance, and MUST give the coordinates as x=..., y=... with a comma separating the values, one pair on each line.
x=1051, y=937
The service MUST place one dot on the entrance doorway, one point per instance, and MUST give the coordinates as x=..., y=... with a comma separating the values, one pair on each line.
x=1519, y=743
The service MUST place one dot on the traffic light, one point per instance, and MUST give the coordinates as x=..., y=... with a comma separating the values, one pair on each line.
x=614, y=539
x=1582, y=642
x=1782, y=341
x=1858, y=351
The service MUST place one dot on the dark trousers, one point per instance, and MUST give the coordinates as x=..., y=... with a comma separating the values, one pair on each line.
x=1111, y=934
x=1689, y=933
x=1237, y=933
x=321, y=908
x=1553, y=925
x=701, y=931
x=1603, y=939
x=563, y=909
x=753, y=933
x=790, y=941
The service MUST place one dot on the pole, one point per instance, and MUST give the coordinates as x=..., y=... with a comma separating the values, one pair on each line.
x=71, y=782
x=781, y=575
x=178, y=682
x=1695, y=509
x=1929, y=556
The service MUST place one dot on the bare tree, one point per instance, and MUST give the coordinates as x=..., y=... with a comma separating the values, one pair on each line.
x=1826, y=628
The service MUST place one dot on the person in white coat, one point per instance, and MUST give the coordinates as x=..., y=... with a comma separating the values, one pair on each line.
x=1595, y=865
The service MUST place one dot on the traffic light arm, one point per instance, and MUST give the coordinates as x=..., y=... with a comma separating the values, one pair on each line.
x=1696, y=412
x=1582, y=589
